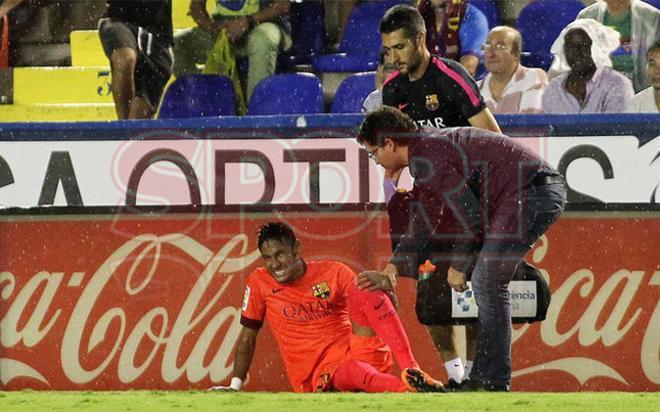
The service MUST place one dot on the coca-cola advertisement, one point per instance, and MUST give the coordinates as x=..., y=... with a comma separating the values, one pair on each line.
x=152, y=301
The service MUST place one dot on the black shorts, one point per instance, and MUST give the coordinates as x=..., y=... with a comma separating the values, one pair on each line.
x=154, y=61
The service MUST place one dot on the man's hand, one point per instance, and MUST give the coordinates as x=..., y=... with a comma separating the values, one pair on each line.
x=236, y=28
x=457, y=280
x=214, y=28
x=373, y=280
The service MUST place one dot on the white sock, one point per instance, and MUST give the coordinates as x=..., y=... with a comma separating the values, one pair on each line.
x=455, y=369
x=468, y=369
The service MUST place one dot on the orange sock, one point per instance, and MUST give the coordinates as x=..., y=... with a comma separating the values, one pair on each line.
x=375, y=310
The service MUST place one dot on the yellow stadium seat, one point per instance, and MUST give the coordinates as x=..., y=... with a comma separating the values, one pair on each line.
x=57, y=112
x=52, y=85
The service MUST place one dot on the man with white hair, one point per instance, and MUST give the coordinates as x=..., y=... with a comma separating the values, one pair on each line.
x=510, y=87
x=587, y=83
x=638, y=25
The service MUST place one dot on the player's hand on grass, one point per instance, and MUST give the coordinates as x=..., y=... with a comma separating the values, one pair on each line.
x=457, y=280
x=221, y=388
x=234, y=386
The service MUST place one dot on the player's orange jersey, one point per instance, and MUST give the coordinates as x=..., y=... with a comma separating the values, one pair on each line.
x=308, y=317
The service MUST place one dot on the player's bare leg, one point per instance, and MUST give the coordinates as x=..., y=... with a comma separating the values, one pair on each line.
x=123, y=63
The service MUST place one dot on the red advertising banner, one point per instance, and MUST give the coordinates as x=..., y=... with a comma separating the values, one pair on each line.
x=100, y=302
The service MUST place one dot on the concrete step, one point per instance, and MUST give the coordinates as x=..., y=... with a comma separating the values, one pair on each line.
x=54, y=85
x=57, y=112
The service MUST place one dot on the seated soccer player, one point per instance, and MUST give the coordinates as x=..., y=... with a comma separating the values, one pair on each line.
x=331, y=335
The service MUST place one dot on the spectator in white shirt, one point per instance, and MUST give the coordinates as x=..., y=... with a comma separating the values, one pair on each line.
x=510, y=87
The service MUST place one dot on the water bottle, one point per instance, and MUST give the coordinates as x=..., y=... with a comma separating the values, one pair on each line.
x=425, y=270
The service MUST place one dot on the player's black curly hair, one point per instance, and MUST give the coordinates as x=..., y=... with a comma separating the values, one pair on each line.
x=276, y=231
x=387, y=122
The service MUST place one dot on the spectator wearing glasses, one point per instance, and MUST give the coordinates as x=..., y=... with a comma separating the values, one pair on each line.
x=510, y=87
x=587, y=83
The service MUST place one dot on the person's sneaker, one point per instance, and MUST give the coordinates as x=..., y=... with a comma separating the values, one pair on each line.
x=418, y=381
x=453, y=386
x=474, y=386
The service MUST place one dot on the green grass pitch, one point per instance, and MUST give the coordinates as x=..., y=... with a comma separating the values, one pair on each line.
x=267, y=402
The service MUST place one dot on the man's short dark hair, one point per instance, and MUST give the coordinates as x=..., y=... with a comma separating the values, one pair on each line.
x=279, y=231
x=387, y=120
x=655, y=46
x=404, y=17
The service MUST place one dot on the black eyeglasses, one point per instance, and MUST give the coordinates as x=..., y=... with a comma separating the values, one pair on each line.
x=372, y=155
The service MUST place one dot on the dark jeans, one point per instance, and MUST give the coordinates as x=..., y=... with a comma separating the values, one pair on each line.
x=495, y=265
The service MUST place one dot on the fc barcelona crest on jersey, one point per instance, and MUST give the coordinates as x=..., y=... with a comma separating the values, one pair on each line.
x=321, y=291
x=432, y=102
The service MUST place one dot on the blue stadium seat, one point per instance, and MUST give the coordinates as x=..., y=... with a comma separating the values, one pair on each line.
x=489, y=9
x=539, y=23
x=198, y=95
x=288, y=93
x=352, y=92
x=360, y=43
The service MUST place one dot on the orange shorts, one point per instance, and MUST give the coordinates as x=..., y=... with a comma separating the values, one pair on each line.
x=368, y=349
x=372, y=350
